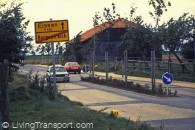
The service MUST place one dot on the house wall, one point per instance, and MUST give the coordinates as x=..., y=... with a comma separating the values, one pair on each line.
x=113, y=51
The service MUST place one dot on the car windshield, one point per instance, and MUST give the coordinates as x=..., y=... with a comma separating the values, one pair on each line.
x=58, y=69
x=73, y=64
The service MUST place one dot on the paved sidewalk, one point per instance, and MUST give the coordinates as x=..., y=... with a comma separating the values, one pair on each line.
x=134, y=78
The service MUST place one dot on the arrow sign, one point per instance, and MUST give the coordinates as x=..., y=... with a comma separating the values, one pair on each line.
x=167, y=78
x=62, y=25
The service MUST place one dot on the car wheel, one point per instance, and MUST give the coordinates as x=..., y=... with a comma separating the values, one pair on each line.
x=79, y=72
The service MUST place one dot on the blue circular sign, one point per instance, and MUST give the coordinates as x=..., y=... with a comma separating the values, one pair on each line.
x=85, y=68
x=167, y=78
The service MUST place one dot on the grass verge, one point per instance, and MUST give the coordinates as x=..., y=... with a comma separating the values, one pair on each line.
x=31, y=106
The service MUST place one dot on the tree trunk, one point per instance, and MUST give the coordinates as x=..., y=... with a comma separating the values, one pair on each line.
x=4, y=100
x=169, y=62
x=180, y=61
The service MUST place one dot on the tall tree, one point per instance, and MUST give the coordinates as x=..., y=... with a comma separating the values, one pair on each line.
x=14, y=39
x=14, y=44
x=159, y=6
x=109, y=18
x=74, y=50
x=188, y=49
x=174, y=32
x=139, y=39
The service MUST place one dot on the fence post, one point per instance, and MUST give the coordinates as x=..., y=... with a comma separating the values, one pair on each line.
x=4, y=102
x=126, y=61
x=153, y=71
x=106, y=58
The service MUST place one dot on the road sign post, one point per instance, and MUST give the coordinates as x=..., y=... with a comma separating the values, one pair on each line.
x=167, y=79
x=54, y=69
x=50, y=32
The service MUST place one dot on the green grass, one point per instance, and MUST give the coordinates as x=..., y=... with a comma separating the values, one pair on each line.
x=31, y=106
x=139, y=71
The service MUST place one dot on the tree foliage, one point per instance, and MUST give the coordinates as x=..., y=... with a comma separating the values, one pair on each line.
x=159, y=6
x=75, y=49
x=14, y=39
x=188, y=48
x=174, y=33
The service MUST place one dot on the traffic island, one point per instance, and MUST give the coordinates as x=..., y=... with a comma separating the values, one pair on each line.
x=131, y=86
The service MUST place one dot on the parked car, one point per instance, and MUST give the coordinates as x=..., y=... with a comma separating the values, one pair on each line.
x=73, y=67
x=61, y=74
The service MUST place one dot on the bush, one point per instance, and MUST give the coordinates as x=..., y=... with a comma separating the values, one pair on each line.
x=38, y=83
x=33, y=80
x=139, y=88
x=50, y=91
x=130, y=85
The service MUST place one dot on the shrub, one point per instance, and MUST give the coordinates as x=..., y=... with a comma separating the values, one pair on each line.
x=50, y=91
x=139, y=88
x=130, y=85
x=34, y=81
x=102, y=81
x=115, y=82
x=121, y=84
x=42, y=84
x=160, y=89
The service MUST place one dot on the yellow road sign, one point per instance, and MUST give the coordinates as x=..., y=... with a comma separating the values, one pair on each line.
x=51, y=31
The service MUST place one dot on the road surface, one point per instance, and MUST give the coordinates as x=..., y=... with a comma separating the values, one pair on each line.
x=175, y=113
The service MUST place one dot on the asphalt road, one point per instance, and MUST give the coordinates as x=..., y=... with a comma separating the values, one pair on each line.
x=174, y=113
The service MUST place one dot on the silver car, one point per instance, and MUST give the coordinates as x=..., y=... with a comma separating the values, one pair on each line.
x=61, y=74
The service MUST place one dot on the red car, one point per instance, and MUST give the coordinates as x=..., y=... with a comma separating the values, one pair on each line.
x=73, y=67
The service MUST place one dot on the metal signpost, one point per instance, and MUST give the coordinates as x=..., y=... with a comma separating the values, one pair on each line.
x=167, y=79
x=49, y=32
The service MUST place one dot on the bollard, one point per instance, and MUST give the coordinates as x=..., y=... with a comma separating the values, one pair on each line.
x=115, y=113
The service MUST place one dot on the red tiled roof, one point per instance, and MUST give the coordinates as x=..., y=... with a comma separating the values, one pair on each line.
x=120, y=23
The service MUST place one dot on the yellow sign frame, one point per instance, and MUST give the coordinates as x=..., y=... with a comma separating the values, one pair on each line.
x=51, y=31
